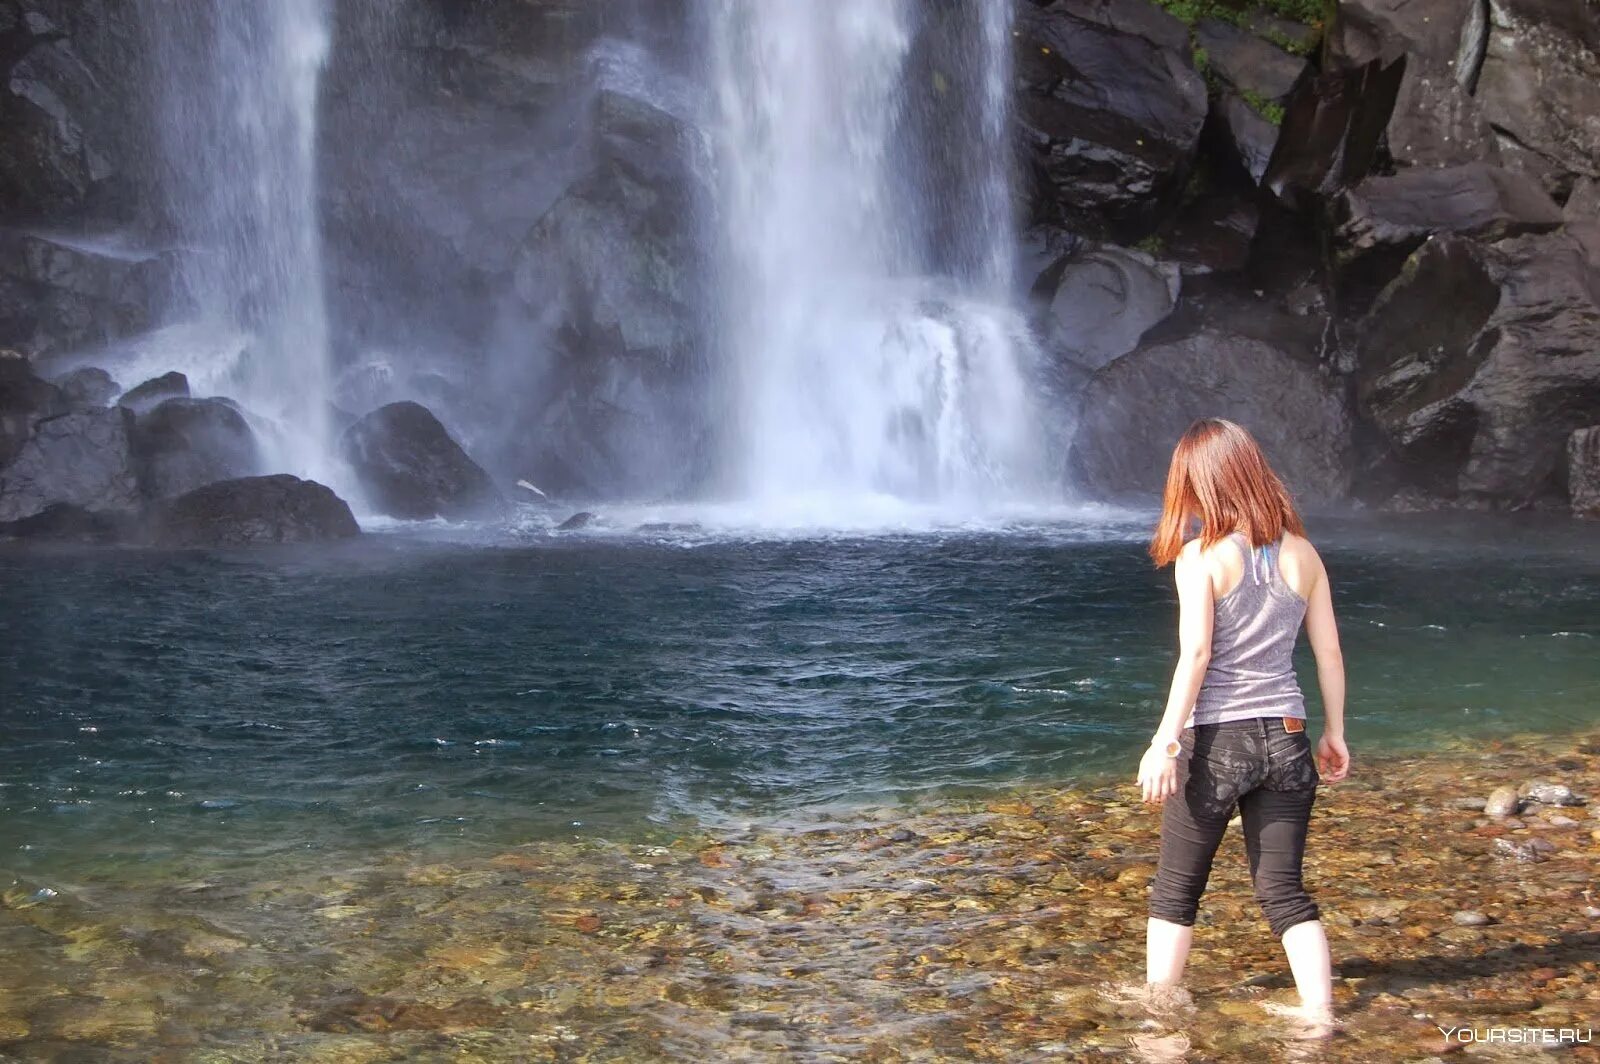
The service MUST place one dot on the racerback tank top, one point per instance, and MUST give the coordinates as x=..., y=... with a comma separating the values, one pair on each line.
x=1251, y=672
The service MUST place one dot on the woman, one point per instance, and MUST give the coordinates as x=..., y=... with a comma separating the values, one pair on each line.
x=1234, y=728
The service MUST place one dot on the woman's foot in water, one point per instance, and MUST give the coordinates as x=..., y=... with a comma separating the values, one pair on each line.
x=1310, y=1021
x=1153, y=999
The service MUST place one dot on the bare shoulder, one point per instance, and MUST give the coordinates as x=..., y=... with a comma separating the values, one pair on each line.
x=1301, y=564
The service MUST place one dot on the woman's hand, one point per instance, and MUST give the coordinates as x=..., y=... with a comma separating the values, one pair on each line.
x=1333, y=758
x=1158, y=775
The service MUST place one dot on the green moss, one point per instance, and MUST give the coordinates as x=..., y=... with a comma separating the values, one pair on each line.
x=1152, y=245
x=1271, y=110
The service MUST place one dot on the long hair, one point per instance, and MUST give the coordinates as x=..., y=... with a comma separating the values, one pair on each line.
x=1220, y=478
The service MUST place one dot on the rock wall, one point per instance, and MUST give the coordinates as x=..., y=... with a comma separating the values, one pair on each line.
x=1396, y=209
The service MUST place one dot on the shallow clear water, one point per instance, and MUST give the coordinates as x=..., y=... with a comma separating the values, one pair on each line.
x=433, y=687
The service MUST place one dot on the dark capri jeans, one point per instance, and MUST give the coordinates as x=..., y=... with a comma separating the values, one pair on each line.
x=1272, y=777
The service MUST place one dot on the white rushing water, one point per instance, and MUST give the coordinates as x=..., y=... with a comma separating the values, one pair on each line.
x=237, y=87
x=866, y=297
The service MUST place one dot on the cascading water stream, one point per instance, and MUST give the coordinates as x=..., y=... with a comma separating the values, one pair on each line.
x=866, y=364
x=237, y=91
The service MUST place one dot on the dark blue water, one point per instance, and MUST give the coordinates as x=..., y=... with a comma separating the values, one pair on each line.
x=408, y=691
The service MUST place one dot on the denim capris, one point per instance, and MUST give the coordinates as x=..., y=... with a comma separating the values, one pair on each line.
x=1270, y=774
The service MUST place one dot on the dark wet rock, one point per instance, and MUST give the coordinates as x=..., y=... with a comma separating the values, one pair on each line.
x=65, y=523
x=155, y=391
x=1252, y=135
x=83, y=458
x=88, y=386
x=1551, y=794
x=1436, y=120
x=581, y=519
x=1332, y=128
x=410, y=467
x=1583, y=471
x=1502, y=802
x=1474, y=199
x=251, y=510
x=1247, y=63
x=1137, y=406
x=24, y=400
x=1540, y=88
x=1213, y=234
x=183, y=444
x=1111, y=111
x=1106, y=298
x=1504, y=407
x=57, y=294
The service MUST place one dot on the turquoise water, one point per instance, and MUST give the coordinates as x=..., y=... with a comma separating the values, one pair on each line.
x=428, y=687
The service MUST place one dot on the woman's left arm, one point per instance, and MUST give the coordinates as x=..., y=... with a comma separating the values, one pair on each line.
x=1158, y=773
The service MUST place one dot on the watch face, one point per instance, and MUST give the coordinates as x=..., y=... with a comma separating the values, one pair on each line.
x=1173, y=748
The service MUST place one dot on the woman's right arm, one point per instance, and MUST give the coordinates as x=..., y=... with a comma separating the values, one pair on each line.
x=1333, y=756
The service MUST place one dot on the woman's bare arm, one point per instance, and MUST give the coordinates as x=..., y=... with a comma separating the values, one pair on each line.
x=1323, y=634
x=1195, y=618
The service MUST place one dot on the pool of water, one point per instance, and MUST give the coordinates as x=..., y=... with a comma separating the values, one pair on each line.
x=427, y=687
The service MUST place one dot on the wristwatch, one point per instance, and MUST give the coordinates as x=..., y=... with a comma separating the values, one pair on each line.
x=1172, y=748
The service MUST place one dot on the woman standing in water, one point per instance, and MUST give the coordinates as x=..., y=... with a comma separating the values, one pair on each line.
x=1234, y=730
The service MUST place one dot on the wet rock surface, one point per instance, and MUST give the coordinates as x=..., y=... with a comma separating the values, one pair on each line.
x=183, y=444
x=253, y=510
x=410, y=467
x=991, y=928
x=83, y=458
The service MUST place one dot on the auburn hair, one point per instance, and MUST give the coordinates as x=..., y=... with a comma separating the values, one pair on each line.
x=1220, y=478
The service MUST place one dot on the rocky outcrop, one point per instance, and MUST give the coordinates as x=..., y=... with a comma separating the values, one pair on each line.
x=183, y=444
x=58, y=294
x=410, y=467
x=155, y=391
x=82, y=458
x=1583, y=471
x=1134, y=410
x=253, y=510
x=1474, y=199
x=1111, y=109
x=1540, y=88
x=24, y=400
x=1105, y=300
x=88, y=387
x=64, y=523
x=1478, y=402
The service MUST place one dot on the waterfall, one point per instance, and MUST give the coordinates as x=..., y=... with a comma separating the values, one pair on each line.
x=236, y=99
x=866, y=283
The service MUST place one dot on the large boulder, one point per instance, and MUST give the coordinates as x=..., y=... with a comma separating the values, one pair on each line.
x=1583, y=471
x=88, y=386
x=1473, y=199
x=410, y=467
x=1436, y=120
x=1105, y=300
x=1540, y=87
x=83, y=458
x=251, y=510
x=64, y=523
x=24, y=399
x=155, y=391
x=1111, y=109
x=183, y=444
x=1332, y=128
x=1247, y=63
x=1478, y=402
x=1134, y=410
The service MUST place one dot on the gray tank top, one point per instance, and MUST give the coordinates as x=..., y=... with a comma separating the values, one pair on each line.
x=1251, y=673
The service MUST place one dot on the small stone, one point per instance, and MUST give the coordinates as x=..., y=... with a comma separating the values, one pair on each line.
x=1592, y=912
x=1502, y=802
x=1561, y=822
x=1551, y=794
x=903, y=835
x=1475, y=804
x=1470, y=918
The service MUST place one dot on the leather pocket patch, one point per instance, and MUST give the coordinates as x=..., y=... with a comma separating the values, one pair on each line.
x=1293, y=724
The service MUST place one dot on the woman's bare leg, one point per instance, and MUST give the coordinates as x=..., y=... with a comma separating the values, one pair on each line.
x=1166, y=950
